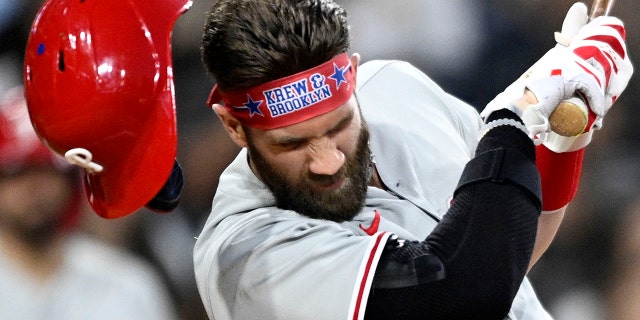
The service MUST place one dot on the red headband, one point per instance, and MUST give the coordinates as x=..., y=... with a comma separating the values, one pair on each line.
x=291, y=99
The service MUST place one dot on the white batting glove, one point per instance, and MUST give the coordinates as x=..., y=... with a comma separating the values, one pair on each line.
x=562, y=77
x=595, y=64
x=598, y=50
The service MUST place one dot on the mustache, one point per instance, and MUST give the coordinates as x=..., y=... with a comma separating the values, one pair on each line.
x=327, y=179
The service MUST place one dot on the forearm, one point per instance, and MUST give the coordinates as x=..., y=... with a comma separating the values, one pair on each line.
x=548, y=225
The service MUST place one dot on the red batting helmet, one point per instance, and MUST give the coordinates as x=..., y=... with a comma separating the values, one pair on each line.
x=99, y=87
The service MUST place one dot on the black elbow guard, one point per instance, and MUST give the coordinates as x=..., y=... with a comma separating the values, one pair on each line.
x=500, y=165
x=406, y=264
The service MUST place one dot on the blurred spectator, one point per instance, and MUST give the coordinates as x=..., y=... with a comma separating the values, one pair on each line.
x=49, y=269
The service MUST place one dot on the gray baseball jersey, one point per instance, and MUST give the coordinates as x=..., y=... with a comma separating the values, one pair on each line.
x=256, y=261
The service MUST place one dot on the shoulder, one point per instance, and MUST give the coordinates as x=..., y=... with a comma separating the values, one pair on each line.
x=403, y=82
x=397, y=93
x=393, y=73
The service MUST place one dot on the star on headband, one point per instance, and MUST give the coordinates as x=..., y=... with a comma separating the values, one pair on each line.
x=338, y=74
x=252, y=106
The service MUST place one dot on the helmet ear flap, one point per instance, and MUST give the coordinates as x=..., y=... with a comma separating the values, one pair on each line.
x=98, y=78
x=168, y=197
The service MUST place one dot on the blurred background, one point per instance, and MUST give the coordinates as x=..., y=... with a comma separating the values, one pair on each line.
x=473, y=49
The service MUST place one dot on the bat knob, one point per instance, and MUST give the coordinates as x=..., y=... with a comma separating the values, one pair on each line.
x=570, y=117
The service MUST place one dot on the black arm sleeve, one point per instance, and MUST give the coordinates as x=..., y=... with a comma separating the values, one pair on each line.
x=479, y=252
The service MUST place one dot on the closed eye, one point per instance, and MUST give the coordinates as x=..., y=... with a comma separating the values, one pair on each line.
x=291, y=144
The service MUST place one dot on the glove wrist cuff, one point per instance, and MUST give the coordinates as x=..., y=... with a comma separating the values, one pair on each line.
x=561, y=144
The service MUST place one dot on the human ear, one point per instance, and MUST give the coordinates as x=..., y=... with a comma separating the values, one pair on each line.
x=231, y=125
x=355, y=61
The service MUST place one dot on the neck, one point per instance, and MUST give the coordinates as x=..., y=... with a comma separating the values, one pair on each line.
x=375, y=180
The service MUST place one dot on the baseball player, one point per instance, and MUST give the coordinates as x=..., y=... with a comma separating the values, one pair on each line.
x=366, y=191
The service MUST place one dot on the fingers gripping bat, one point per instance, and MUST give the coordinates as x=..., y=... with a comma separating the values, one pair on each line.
x=570, y=117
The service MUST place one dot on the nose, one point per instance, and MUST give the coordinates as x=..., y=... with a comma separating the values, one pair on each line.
x=326, y=158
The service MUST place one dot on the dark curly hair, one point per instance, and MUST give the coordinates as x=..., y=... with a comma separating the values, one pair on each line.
x=250, y=42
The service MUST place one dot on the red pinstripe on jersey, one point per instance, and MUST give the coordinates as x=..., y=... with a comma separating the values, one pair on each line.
x=366, y=278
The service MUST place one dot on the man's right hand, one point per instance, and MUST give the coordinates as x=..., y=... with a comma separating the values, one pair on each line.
x=592, y=60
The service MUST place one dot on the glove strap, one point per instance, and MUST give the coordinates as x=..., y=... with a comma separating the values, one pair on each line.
x=560, y=176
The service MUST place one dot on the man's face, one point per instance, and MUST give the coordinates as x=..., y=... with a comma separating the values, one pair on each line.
x=320, y=167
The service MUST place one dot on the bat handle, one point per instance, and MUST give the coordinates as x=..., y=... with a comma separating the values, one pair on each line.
x=600, y=8
x=570, y=118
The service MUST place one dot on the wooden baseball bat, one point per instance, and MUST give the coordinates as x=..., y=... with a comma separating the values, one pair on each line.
x=570, y=117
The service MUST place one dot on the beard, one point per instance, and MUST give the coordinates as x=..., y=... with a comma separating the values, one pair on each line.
x=339, y=205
